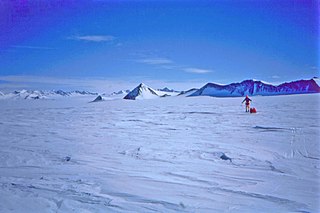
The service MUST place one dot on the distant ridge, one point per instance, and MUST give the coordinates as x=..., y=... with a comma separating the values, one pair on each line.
x=252, y=87
x=121, y=92
x=39, y=94
x=142, y=91
x=166, y=89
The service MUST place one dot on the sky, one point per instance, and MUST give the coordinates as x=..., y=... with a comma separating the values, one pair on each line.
x=102, y=45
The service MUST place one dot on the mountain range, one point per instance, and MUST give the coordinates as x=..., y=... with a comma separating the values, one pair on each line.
x=247, y=87
x=39, y=94
x=142, y=91
x=252, y=87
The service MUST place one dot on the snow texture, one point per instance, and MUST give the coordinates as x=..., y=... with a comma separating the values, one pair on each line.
x=176, y=154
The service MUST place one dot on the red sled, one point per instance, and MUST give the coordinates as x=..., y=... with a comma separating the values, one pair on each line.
x=253, y=110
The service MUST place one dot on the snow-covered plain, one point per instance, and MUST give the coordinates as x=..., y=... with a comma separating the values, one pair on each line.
x=174, y=154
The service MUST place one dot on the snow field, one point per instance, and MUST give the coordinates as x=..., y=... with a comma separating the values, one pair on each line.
x=174, y=154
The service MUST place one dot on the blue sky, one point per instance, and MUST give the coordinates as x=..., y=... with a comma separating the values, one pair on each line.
x=99, y=44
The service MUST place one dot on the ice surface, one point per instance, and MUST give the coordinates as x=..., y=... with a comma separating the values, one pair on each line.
x=175, y=154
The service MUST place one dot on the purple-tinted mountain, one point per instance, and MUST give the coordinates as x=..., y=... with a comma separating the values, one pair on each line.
x=251, y=87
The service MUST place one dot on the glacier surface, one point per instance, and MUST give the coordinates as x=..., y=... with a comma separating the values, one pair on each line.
x=178, y=154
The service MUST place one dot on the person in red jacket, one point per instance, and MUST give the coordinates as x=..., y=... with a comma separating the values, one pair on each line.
x=247, y=100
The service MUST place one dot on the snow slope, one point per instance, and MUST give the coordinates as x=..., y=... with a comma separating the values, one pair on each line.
x=317, y=80
x=198, y=154
x=252, y=87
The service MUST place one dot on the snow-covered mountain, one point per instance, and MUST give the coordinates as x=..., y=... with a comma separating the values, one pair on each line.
x=142, y=92
x=26, y=94
x=121, y=92
x=166, y=89
x=60, y=92
x=72, y=93
x=77, y=92
x=188, y=92
x=252, y=87
x=98, y=99
x=39, y=94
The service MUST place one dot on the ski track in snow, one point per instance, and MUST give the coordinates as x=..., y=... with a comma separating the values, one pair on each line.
x=175, y=154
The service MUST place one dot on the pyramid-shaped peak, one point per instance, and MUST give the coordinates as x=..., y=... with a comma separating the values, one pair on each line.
x=142, y=91
x=97, y=99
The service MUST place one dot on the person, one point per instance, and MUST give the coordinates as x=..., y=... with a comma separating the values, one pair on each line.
x=247, y=100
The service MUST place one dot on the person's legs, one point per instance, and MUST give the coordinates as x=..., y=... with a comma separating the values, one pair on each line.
x=247, y=108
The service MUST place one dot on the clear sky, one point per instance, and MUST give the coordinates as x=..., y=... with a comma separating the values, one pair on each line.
x=98, y=43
